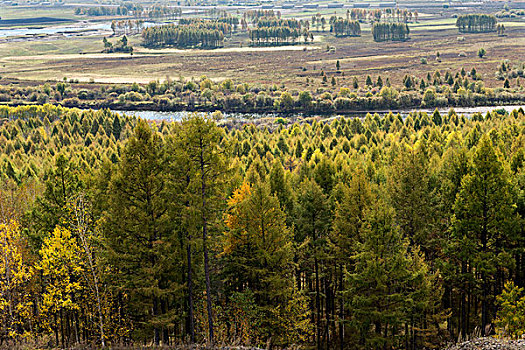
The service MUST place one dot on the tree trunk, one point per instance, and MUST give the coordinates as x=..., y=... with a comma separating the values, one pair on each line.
x=317, y=304
x=205, y=247
x=190, y=294
x=341, y=311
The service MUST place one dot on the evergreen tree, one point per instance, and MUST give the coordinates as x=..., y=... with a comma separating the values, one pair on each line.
x=369, y=81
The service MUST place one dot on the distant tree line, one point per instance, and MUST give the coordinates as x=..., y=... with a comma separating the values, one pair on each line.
x=510, y=13
x=390, y=31
x=274, y=35
x=134, y=10
x=103, y=11
x=344, y=27
x=223, y=24
x=388, y=14
x=255, y=15
x=205, y=34
x=476, y=23
x=127, y=26
x=275, y=31
x=232, y=21
x=276, y=22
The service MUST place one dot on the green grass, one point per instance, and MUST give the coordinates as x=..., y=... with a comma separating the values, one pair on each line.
x=15, y=12
x=59, y=46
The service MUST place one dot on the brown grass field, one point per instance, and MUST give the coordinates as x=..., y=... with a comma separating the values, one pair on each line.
x=80, y=58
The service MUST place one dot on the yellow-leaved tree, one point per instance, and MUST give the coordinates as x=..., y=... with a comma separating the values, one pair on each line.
x=61, y=270
x=15, y=277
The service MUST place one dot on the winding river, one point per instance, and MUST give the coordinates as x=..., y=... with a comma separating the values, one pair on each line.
x=173, y=116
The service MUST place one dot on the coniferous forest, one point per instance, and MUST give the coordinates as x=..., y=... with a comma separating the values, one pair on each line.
x=382, y=232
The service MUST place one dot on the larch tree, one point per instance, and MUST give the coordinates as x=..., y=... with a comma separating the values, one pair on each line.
x=258, y=251
x=62, y=182
x=411, y=194
x=313, y=220
x=205, y=152
x=356, y=199
x=138, y=234
x=485, y=227
x=61, y=269
x=390, y=291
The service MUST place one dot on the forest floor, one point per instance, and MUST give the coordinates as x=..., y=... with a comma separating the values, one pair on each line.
x=489, y=344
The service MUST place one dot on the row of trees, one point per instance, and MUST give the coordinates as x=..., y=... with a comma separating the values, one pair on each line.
x=343, y=27
x=385, y=15
x=268, y=22
x=127, y=27
x=255, y=15
x=134, y=10
x=276, y=35
x=276, y=31
x=476, y=23
x=381, y=232
x=206, y=34
x=390, y=31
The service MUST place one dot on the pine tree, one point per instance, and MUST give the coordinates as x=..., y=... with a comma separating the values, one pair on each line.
x=369, y=81
x=116, y=127
x=299, y=150
x=280, y=188
x=379, y=82
x=62, y=183
x=356, y=199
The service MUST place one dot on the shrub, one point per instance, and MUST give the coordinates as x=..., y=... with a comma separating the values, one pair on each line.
x=510, y=319
x=482, y=52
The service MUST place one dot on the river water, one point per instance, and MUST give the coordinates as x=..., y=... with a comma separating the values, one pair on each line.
x=174, y=116
x=67, y=30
